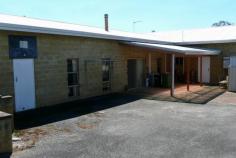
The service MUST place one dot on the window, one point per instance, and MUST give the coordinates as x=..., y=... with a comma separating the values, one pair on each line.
x=106, y=74
x=159, y=65
x=179, y=61
x=21, y=47
x=24, y=44
x=226, y=62
x=73, y=77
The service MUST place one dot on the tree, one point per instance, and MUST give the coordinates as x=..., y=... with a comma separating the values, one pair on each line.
x=222, y=23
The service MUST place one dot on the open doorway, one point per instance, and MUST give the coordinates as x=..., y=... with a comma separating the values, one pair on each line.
x=135, y=73
x=179, y=70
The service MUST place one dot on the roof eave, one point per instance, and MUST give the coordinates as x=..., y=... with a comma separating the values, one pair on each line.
x=34, y=29
x=183, y=52
x=206, y=42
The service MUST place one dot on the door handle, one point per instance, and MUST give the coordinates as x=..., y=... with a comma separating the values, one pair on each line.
x=16, y=79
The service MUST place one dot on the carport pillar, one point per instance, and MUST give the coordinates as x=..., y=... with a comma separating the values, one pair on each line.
x=172, y=75
x=201, y=71
x=149, y=63
x=188, y=74
x=165, y=63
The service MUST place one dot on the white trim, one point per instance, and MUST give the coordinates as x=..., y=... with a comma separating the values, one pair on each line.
x=206, y=42
x=25, y=24
x=176, y=49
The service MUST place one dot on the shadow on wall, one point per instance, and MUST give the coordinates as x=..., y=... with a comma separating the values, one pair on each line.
x=42, y=116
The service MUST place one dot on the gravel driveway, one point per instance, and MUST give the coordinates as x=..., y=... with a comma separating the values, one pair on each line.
x=138, y=129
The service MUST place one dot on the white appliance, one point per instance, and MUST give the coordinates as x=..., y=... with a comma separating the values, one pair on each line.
x=232, y=74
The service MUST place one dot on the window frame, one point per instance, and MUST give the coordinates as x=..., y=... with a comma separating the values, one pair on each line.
x=16, y=51
x=106, y=84
x=76, y=87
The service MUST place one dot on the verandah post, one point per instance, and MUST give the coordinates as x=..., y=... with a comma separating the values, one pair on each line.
x=172, y=75
x=201, y=71
x=188, y=74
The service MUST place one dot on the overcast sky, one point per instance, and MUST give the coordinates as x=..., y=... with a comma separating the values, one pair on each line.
x=159, y=15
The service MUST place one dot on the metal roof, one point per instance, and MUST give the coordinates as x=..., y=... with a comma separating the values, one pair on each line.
x=225, y=34
x=176, y=49
x=25, y=24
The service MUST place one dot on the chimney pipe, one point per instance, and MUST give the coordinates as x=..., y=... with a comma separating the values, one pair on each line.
x=106, y=22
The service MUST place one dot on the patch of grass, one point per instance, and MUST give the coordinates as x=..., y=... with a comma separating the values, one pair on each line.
x=28, y=138
x=18, y=133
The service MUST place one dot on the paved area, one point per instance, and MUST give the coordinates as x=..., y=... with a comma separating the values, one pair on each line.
x=139, y=128
x=228, y=98
x=196, y=95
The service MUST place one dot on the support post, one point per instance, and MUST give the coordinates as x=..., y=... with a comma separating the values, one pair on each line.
x=165, y=63
x=149, y=63
x=201, y=71
x=188, y=74
x=172, y=75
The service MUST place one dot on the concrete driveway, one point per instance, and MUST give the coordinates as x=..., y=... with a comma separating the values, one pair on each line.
x=137, y=129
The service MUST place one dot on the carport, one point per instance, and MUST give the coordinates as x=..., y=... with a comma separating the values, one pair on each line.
x=185, y=52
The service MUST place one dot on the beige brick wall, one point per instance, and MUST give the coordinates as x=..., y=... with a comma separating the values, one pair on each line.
x=51, y=66
x=6, y=79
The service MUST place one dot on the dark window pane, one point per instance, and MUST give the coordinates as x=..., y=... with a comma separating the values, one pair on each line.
x=22, y=47
x=106, y=86
x=74, y=65
x=74, y=91
x=179, y=61
x=71, y=92
x=69, y=66
x=72, y=79
x=106, y=70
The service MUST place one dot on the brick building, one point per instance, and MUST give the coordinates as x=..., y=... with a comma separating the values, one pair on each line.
x=44, y=63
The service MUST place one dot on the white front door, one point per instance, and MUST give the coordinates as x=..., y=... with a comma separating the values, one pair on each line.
x=206, y=62
x=24, y=83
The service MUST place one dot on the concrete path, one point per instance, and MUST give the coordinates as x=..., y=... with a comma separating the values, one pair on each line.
x=228, y=98
x=138, y=129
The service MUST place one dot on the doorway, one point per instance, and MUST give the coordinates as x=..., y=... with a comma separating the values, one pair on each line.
x=179, y=70
x=206, y=62
x=135, y=73
x=24, y=84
